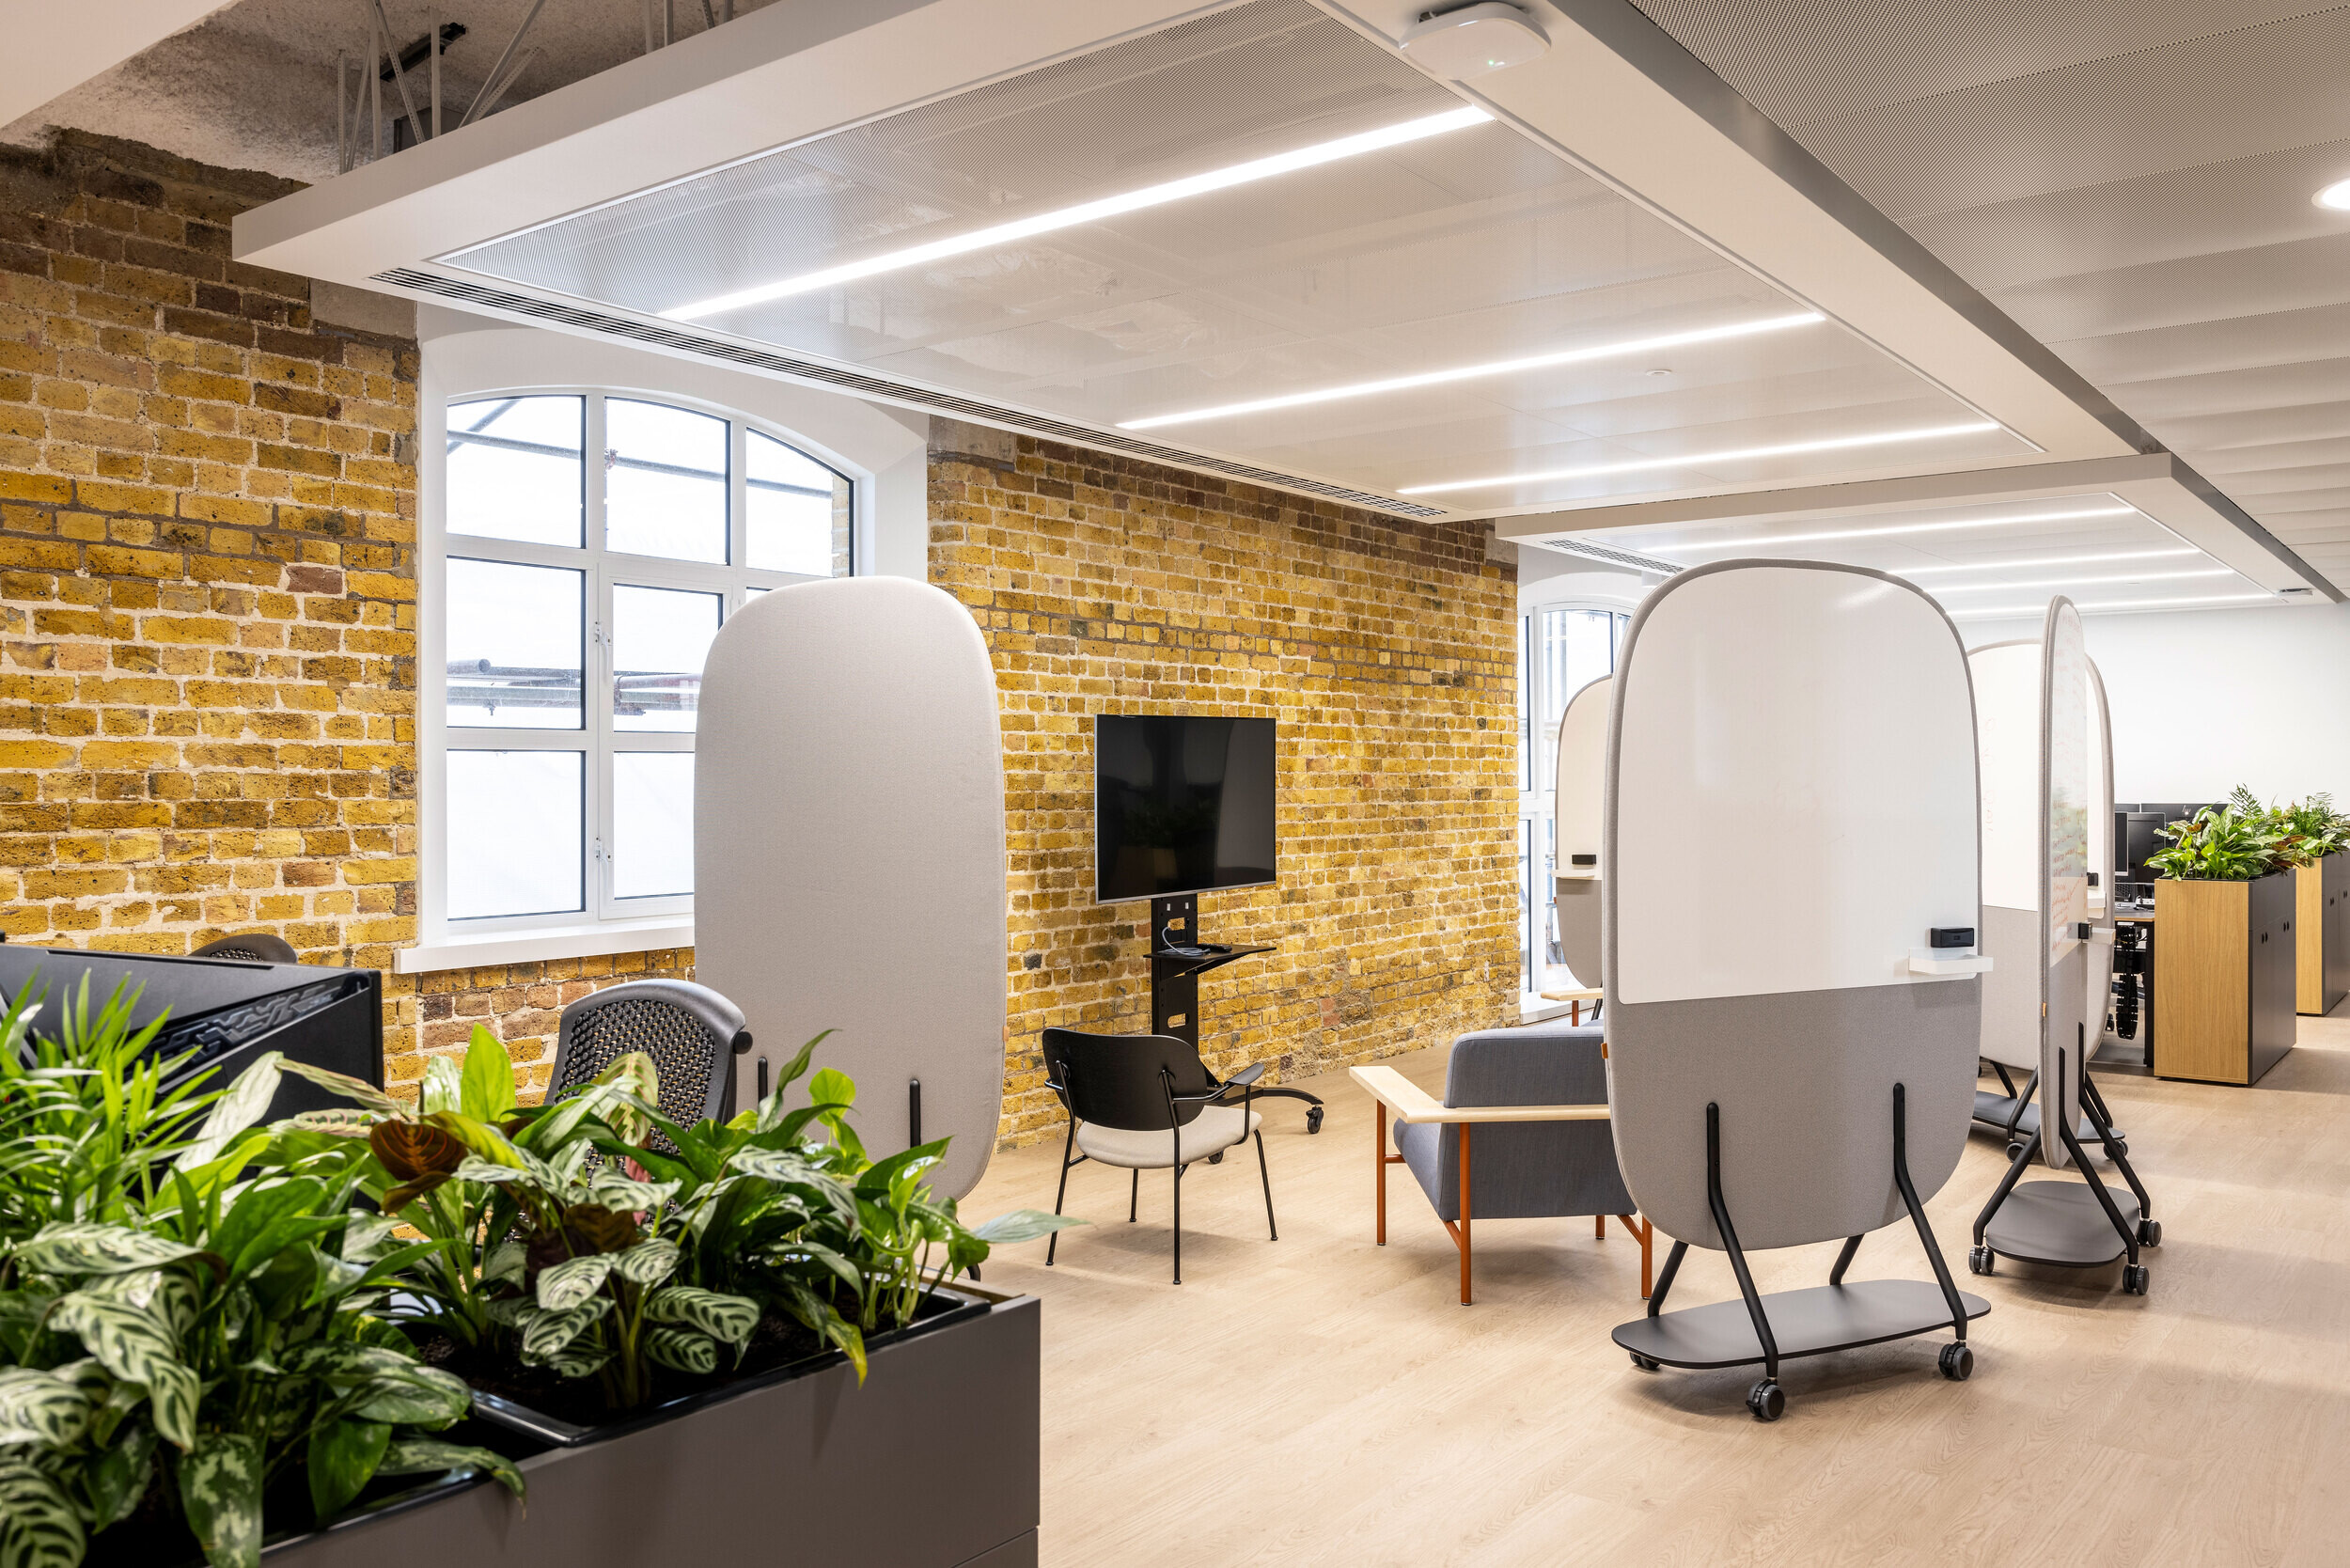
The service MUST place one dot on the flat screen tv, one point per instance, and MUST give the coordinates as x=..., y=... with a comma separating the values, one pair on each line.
x=1181, y=804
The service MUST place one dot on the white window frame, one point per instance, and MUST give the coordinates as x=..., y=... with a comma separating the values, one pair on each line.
x=606, y=923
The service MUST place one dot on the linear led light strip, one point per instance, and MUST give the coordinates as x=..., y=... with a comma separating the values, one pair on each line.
x=1751, y=540
x=1472, y=372
x=2009, y=610
x=2069, y=583
x=1793, y=449
x=1089, y=212
x=2030, y=565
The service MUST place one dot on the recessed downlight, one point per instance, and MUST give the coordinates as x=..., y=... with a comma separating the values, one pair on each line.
x=1643, y=465
x=2336, y=196
x=1473, y=372
x=1248, y=173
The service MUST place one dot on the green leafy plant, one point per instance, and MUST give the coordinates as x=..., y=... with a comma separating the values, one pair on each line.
x=210, y=1343
x=2219, y=843
x=2305, y=831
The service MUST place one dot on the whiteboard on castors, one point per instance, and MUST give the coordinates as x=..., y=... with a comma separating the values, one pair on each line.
x=2065, y=1025
x=849, y=852
x=2008, y=744
x=1810, y=725
x=1578, y=795
x=2097, y=994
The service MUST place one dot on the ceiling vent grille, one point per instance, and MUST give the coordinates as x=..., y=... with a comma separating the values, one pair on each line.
x=690, y=341
x=1608, y=555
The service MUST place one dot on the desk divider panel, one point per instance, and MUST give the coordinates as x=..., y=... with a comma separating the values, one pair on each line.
x=1579, y=795
x=849, y=853
x=1812, y=727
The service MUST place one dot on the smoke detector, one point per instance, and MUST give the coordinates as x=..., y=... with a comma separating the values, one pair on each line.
x=1471, y=40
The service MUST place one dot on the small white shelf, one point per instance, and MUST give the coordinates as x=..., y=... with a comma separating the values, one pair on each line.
x=1948, y=962
x=1576, y=873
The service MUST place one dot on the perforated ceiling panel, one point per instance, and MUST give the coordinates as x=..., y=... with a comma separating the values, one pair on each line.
x=1449, y=250
x=2130, y=180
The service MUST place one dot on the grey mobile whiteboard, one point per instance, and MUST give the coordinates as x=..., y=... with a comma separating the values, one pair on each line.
x=1578, y=820
x=849, y=852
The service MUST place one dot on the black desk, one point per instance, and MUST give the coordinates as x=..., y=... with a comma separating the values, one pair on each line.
x=1175, y=971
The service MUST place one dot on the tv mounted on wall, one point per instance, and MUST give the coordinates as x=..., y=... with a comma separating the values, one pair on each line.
x=1181, y=804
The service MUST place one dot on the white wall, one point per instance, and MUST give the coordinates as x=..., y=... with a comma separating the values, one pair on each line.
x=2206, y=701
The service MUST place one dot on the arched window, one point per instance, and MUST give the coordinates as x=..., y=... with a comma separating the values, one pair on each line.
x=593, y=544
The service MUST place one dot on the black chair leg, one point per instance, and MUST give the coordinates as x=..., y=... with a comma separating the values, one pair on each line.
x=1178, y=1224
x=1266, y=1177
x=1067, y=1144
x=1134, y=1195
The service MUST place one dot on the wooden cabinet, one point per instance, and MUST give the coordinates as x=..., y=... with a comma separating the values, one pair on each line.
x=2225, y=971
x=2321, y=932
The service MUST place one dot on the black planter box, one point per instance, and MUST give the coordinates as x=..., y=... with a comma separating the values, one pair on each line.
x=932, y=1464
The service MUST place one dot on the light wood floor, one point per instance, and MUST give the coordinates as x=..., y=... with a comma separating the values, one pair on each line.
x=1319, y=1400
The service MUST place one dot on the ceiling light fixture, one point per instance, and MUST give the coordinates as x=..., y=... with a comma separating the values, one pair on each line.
x=1472, y=372
x=1882, y=438
x=2080, y=582
x=2011, y=610
x=1942, y=527
x=1471, y=40
x=2034, y=565
x=1089, y=212
x=2336, y=196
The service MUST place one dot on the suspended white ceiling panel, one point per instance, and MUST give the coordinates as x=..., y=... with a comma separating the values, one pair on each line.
x=762, y=193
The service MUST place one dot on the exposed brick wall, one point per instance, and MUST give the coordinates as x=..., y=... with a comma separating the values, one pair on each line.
x=208, y=516
x=1384, y=649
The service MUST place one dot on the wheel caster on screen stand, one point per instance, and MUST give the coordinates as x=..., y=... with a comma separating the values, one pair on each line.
x=1766, y=1401
x=1958, y=1363
x=1217, y=1158
x=2134, y=1279
x=1644, y=1363
x=2150, y=1232
x=1313, y=1118
x=1979, y=1261
x=2013, y=1150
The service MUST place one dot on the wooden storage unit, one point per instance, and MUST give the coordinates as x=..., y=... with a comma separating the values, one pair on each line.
x=2321, y=932
x=2224, y=968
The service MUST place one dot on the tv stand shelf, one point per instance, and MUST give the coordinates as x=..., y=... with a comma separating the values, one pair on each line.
x=1175, y=982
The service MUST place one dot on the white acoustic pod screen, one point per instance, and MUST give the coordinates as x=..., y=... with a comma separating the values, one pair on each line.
x=1790, y=814
x=2008, y=743
x=2097, y=991
x=849, y=852
x=2066, y=857
x=1578, y=804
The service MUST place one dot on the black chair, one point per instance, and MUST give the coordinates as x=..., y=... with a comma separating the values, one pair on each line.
x=1148, y=1103
x=256, y=947
x=692, y=1033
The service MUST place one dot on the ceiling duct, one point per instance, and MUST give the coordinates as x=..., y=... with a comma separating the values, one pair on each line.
x=1608, y=555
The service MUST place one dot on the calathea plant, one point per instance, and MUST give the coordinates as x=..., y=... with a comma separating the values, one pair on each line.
x=2305, y=831
x=210, y=1344
x=2219, y=843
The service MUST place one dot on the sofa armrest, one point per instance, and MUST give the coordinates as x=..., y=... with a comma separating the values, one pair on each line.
x=1413, y=1104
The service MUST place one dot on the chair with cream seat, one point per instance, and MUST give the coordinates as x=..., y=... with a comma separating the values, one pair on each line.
x=1145, y=1102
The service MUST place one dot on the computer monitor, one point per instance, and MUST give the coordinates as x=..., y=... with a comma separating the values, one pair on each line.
x=2135, y=836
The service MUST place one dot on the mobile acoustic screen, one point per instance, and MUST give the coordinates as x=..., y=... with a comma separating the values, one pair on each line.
x=1181, y=804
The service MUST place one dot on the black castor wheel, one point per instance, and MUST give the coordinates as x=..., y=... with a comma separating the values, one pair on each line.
x=2118, y=1149
x=2150, y=1232
x=1217, y=1158
x=1313, y=1118
x=1958, y=1363
x=1766, y=1401
x=1979, y=1261
x=2013, y=1150
x=1645, y=1363
x=2133, y=1278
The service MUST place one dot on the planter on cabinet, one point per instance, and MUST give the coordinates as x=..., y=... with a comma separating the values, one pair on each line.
x=2224, y=969
x=2321, y=931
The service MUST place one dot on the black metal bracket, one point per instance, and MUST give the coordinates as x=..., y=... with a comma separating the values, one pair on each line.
x=1917, y=1212
x=1730, y=1241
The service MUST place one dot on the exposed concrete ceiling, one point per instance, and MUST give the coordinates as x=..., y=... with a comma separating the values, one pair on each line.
x=53, y=49
x=252, y=86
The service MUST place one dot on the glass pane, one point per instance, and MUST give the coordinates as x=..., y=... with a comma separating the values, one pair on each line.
x=1576, y=650
x=796, y=512
x=659, y=640
x=1526, y=904
x=665, y=481
x=514, y=469
x=1526, y=742
x=514, y=645
x=653, y=824
x=514, y=833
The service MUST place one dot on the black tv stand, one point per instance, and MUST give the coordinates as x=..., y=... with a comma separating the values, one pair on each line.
x=1177, y=959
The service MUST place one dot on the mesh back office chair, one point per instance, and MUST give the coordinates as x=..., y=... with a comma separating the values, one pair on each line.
x=256, y=947
x=1146, y=1102
x=692, y=1033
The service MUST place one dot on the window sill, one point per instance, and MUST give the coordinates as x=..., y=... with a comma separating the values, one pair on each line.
x=544, y=943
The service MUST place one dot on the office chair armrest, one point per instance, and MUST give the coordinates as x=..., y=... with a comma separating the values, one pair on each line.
x=1413, y=1104
x=1247, y=1075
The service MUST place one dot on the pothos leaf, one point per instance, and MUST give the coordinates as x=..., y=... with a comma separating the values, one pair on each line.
x=342, y=1459
x=726, y=1318
x=684, y=1349
x=39, y=1408
x=646, y=1263
x=220, y=1490
x=38, y=1527
x=567, y=1284
x=86, y=1248
x=418, y=1456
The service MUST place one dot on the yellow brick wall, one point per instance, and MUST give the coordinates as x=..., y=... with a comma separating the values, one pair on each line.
x=1384, y=649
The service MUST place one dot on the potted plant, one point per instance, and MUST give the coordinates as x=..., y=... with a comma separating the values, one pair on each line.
x=2311, y=838
x=2223, y=953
